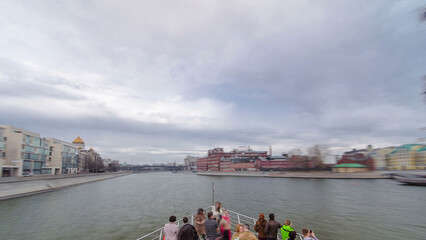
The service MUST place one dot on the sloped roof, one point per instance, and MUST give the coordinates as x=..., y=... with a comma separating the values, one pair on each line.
x=421, y=149
x=404, y=147
x=350, y=165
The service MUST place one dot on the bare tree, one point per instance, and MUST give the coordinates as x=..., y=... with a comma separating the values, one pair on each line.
x=318, y=154
x=295, y=151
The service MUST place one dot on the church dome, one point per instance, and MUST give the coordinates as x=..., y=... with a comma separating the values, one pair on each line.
x=78, y=140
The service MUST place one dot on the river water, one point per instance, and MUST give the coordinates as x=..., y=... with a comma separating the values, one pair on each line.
x=131, y=206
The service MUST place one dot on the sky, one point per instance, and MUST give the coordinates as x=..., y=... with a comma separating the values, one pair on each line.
x=149, y=82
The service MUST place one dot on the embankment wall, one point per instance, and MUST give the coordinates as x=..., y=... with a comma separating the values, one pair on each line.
x=21, y=188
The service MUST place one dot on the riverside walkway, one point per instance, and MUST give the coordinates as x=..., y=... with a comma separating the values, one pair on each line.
x=24, y=186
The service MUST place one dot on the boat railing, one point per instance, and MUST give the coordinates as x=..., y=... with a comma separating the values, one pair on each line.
x=236, y=218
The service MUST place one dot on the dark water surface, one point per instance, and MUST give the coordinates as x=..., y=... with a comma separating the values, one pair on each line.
x=131, y=206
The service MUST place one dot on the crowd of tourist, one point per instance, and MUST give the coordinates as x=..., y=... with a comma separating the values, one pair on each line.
x=217, y=226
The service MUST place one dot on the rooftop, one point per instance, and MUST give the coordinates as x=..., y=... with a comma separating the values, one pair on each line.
x=349, y=165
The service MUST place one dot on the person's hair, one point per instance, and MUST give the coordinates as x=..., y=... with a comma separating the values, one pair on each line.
x=237, y=228
x=292, y=235
x=209, y=214
x=287, y=222
x=271, y=216
x=200, y=210
x=261, y=216
x=219, y=207
x=172, y=219
x=305, y=231
x=185, y=220
x=246, y=225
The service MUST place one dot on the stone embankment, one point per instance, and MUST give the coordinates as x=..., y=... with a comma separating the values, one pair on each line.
x=25, y=186
x=316, y=175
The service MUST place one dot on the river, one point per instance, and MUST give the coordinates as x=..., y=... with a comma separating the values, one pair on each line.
x=131, y=206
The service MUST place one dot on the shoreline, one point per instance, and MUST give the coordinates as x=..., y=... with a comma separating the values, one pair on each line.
x=305, y=175
x=23, y=187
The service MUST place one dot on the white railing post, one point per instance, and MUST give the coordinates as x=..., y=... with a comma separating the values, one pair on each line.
x=161, y=235
x=192, y=219
x=238, y=216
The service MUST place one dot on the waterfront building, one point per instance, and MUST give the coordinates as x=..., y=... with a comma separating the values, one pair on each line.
x=2, y=144
x=381, y=156
x=63, y=157
x=300, y=162
x=190, y=163
x=2, y=150
x=275, y=163
x=406, y=157
x=358, y=158
x=24, y=152
x=421, y=158
x=218, y=160
x=92, y=161
x=364, y=151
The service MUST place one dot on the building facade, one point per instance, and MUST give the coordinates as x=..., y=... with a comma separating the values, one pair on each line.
x=63, y=157
x=190, y=163
x=24, y=153
x=381, y=157
x=406, y=157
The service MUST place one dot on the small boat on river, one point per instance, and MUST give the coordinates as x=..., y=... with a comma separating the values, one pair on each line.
x=410, y=179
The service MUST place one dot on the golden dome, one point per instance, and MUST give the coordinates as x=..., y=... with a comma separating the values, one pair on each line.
x=91, y=149
x=78, y=140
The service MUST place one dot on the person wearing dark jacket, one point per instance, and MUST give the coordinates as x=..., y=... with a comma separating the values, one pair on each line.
x=187, y=231
x=271, y=228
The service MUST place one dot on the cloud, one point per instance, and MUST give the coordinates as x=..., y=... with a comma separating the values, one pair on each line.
x=153, y=81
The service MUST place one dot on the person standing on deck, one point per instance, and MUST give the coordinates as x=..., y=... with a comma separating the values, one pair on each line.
x=171, y=229
x=286, y=229
x=225, y=231
x=272, y=227
x=238, y=229
x=260, y=227
x=199, y=223
x=246, y=234
x=227, y=218
x=187, y=231
x=212, y=229
x=218, y=211
x=292, y=235
x=308, y=234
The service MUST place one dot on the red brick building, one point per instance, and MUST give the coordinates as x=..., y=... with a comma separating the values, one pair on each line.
x=218, y=160
x=358, y=158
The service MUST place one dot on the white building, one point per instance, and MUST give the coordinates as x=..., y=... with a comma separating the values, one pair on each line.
x=23, y=152
x=63, y=157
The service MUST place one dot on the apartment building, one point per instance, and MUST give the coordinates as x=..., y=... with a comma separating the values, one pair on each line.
x=24, y=152
x=63, y=157
x=406, y=157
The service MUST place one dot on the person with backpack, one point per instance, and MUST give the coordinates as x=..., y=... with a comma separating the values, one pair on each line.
x=259, y=227
x=286, y=229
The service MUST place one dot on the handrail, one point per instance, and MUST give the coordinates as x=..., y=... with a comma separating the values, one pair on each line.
x=236, y=218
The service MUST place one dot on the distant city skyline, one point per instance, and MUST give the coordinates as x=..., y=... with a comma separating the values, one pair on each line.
x=153, y=82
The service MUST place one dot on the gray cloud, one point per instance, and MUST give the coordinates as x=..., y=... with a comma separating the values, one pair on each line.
x=153, y=81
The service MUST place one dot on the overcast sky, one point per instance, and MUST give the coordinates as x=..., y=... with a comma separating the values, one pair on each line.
x=154, y=81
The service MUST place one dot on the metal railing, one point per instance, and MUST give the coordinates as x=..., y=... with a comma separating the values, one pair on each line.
x=236, y=218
